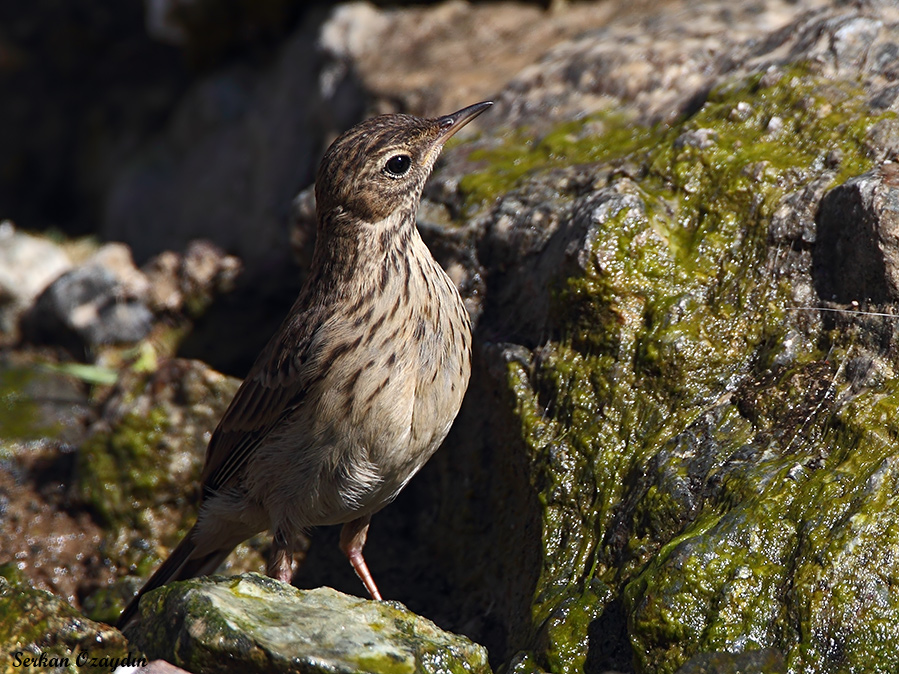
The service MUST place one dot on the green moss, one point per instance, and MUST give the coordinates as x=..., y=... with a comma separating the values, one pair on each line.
x=670, y=336
x=581, y=451
x=792, y=120
x=122, y=466
x=34, y=623
x=384, y=664
x=721, y=588
x=20, y=415
x=844, y=596
x=803, y=563
x=603, y=137
x=756, y=129
x=569, y=622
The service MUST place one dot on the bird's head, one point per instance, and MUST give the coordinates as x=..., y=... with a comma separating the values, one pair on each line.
x=380, y=166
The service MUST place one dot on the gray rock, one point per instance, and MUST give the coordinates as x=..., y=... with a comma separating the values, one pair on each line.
x=251, y=623
x=28, y=264
x=87, y=305
x=238, y=147
x=102, y=301
x=857, y=253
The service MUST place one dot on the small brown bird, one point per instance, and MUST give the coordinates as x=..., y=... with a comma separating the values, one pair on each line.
x=362, y=381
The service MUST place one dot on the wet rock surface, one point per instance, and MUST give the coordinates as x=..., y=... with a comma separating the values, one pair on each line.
x=675, y=233
x=41, y=632
x=256, y=624
x=856, y=256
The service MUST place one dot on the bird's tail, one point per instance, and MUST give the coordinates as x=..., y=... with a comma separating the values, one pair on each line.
x=181, y=564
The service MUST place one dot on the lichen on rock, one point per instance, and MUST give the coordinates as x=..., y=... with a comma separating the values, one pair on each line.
x=256, y=624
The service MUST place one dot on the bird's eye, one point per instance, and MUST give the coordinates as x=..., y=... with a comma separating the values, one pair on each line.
x=398, y=165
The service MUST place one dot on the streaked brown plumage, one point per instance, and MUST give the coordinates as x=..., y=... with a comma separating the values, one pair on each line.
x=363, y=379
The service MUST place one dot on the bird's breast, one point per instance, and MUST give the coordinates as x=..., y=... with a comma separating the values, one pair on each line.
x=397, y=387
x=387, y=373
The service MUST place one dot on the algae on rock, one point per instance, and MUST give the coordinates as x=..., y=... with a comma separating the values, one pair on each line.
x=676, y=431
x=39, y=631
x=137, y=470
x=257, y=624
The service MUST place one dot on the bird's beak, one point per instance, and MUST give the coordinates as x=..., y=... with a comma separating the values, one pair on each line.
x=449, y=124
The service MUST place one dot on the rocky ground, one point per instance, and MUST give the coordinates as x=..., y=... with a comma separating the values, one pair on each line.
x=676, y=233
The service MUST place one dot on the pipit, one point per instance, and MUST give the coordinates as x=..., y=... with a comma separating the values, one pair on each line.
x=362, y=381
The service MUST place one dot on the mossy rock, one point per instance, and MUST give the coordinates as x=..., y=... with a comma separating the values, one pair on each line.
x=41, y=632
x=694, y=448
x=251, y=623
x=138, y=471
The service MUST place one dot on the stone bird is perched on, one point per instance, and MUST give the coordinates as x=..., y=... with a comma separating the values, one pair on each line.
x=362, y=381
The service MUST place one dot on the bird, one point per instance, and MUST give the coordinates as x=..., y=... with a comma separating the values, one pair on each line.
x=360, y=384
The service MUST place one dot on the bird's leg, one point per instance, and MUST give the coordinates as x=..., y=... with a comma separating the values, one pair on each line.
x=352, y=540
x=280, y=559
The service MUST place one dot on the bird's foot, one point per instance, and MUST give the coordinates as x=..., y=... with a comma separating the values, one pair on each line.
x=352, y=540
x=280, y=561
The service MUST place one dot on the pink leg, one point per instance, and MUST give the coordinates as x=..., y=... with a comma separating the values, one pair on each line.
x=352, y=540
x=280, y=560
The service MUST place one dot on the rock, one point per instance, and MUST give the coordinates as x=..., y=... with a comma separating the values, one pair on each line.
x=42, y=632
x=99, y=302
x=106, y=300
x=766, y=660
x=186, y=284
x=244, y=140
x=85, y=302
x=651, y=331
x=252, y=623
x=28, y=264
x=155, y=667
x=856, y=254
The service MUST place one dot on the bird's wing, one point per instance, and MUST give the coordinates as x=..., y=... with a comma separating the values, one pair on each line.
x=273, y=389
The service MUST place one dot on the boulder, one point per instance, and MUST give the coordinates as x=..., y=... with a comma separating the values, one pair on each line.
x=251, y=623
